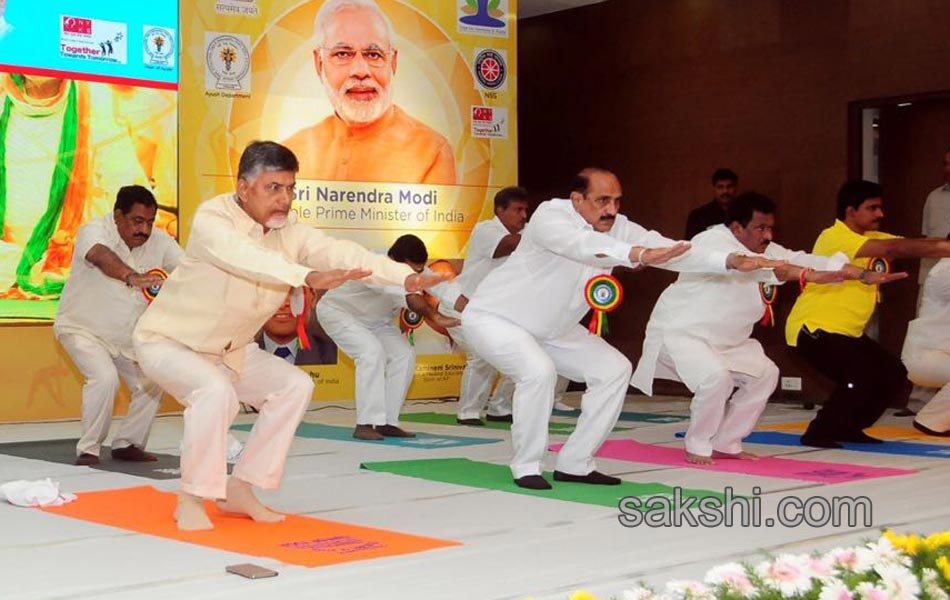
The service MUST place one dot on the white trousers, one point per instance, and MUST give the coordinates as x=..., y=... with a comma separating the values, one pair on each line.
x=102, y=372
x=385, y=364
x=211, y=394
x=719, y=418
x=932, y=369
x=533, y=365
x=477, y=380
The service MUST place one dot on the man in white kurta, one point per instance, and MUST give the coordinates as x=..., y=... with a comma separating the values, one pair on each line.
x=245, y=252
x=101, y=303
x=699, y=330
x=491, y=243
x=926, y=351
x=524, y=318
x=360, y=318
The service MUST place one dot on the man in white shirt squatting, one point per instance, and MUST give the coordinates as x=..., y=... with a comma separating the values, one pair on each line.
x=699, y=330
x=926, y=351
x=196, y=340
x=491, y=243
x=360, y=318
x=101, y=303
x=524, y=318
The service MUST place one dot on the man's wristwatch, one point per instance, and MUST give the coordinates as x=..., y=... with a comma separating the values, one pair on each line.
x=128, y=276
x=863, y=277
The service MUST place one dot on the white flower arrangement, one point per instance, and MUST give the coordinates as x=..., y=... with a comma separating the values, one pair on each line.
x=895, y=567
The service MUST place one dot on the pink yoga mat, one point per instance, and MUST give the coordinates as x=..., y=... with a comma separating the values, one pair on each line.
x=783, y=468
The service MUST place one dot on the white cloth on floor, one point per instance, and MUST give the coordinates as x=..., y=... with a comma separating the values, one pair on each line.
x=44, y=492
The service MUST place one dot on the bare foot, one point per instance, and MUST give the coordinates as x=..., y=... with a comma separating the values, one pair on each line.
x=242, y=501
x=742, y=455
x=190, y=513
x=696, y=459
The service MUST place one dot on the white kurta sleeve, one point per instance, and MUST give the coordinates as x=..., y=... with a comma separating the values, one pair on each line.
x=215, y=240
x=700, y=258
x=559, y=233
x=321, y=252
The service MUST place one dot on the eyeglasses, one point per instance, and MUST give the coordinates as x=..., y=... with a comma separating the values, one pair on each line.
x=343, y=56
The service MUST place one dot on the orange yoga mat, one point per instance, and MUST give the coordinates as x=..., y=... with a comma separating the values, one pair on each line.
x=297, y=540
x=884, y=432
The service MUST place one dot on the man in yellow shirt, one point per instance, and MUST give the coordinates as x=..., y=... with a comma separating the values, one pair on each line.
x=827, y=323
x=196, y=340
x=367, y=138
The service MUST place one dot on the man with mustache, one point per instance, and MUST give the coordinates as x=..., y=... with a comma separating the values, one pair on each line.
x=100, y=305
x=826, y=325
x=196, y=340
x=566, y=243
x=367, y=138
x=699, y=330
x=724, y=182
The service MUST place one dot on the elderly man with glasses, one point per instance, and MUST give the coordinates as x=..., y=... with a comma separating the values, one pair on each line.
x=367, y=138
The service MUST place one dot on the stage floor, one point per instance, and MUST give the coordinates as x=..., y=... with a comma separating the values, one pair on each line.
x=509, y=545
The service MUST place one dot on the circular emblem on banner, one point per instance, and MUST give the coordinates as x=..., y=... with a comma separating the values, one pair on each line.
x=151, y=291
x=603, y=293
x=491, y=70
x=879, y=265
x=410, y=319
x=228, y=60
x=768, y=291
x=159, y=45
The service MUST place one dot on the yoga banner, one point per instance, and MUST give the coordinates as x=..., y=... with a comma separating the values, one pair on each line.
x=402, y=114
x=88, y=103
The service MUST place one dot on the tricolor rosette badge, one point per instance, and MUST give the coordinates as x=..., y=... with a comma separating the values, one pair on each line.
x=768, y=293
x=409, y=321
x=603, y=294
x=151, y=292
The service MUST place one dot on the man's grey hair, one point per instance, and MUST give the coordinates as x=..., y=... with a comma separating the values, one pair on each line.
x=260, y=156
x=331, y=7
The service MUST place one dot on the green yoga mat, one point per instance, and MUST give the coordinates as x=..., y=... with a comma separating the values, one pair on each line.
x=462, y=471
x=449, y=419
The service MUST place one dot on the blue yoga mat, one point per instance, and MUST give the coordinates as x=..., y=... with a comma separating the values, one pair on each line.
x=424, y=441
x=778, y=438
x=641, y=417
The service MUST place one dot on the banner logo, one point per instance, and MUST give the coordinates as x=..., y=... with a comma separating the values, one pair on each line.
x=158, y=47
x=489, y=122
x=227, y=62
x=483, y=17
x=491, y=69
x=93, y=39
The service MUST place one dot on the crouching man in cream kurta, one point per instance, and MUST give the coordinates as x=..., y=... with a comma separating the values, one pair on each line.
x=100, y=305
x=361, y=318
x=699, y=330
x=926, y=351
x=196, y=340
x=523, y=319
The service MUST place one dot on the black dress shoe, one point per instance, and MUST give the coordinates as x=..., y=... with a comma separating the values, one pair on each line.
x=860, y=438
x=133, y=454
x=594, y=477
x=930, y=431
x=533, y=482
x=366, y=432
x=819, y=441
x=500, y=418
x=393, y=431
x=85, y=459
x=904, y=412
x=472, y=422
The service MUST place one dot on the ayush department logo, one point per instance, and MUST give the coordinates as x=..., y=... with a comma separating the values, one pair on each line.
x=228, y=61
x=159, y=46
x=491, y=69
x=484, y=17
